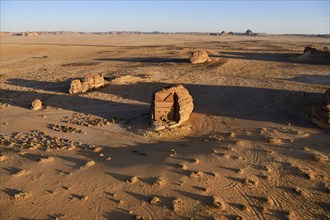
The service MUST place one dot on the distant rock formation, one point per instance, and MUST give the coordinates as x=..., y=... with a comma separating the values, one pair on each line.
x=199, y=57
x=316, y=55
x=170, y=107
x=30, y=34
x=36, y=104
x=90, y=82
x=321, y=112
x=250, y=33
x=223, y=33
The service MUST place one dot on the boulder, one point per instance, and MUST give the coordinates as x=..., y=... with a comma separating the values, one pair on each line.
x=170, y=107
x=200, y=56
x=75, y=86
x=321, y=111
x=36, y=104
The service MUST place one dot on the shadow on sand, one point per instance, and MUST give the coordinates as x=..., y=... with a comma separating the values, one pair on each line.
x=146, y=60
x=272, y=57
x=249, y=103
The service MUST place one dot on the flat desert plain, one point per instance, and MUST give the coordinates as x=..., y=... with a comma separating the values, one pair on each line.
x=248, y=151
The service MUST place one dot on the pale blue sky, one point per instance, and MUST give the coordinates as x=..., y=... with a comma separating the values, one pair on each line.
x=304, y=17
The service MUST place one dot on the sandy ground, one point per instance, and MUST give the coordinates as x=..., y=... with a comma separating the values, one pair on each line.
x=248, y=151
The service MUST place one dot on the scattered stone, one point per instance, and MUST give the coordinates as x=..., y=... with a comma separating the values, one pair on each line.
x=88, y=164
x=199, y=57
x=274, y=140
x=170, y=107
x=158, y=182
x=36, y=104
x=132, y=180
x=108, y=158
x=177, y=204
x=154, y=200
x=3, y=158
x=19, y=173
x=21, y=196
x=319, y=157
x=46, y=159
x=66, y=129
x=85, y=120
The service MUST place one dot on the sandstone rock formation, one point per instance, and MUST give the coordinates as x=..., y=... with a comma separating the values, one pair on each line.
x=170, y=107
x=200, y=56
x=36, y=104
x=321, y=112
x=90, y=82
x=75, y=86
x=315, y=55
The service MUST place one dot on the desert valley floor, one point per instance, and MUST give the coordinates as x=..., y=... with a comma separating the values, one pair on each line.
x=248, y=151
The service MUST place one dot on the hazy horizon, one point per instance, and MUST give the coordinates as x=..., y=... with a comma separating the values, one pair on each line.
x=271, y=17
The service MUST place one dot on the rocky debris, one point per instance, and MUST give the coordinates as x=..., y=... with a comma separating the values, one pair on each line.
x=36, y=104
x=37, y=140
x=321, y=112
x=200, y=56
x=86, y=120
x=66, y=129
x=170, y=107
x=90, y=82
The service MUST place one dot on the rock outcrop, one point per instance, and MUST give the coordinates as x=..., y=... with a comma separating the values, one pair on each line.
x=36, y=104
x=90, y=82
x=314, y=55
x=170, y=107
x=249, y=33
x=321, y=112
x=198, y=57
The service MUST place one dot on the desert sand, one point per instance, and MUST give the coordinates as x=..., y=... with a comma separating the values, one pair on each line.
x=248, y=151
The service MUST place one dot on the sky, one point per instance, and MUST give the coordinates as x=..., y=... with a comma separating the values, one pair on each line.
x=273, y=17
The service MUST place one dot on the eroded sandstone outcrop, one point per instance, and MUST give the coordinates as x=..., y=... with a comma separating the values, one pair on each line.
x=321, y=112
x=90, y=82
x=316, y=55
x=200, y=56
x=170, y=107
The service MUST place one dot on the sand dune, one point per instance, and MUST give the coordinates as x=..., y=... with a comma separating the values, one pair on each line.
x=248, y=151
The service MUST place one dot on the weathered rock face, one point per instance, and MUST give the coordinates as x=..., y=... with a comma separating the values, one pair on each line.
x=90, y=82
x=321, y=112
x=170, y=107
x=75, y=86
x=36, y=104
x=199, y=57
